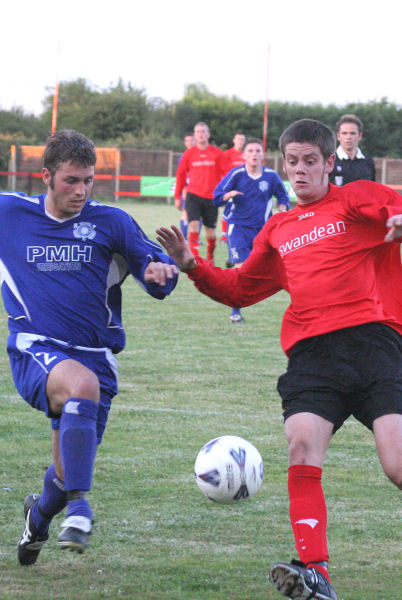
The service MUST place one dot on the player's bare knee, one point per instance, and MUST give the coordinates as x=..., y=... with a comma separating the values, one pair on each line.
x=82, y=384
x=299, y=451
x=86, y=385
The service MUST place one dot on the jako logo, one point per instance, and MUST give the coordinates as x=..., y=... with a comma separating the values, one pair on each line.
x=306, y=215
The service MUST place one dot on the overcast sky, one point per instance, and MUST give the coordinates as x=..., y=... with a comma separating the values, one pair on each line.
x=319, y=51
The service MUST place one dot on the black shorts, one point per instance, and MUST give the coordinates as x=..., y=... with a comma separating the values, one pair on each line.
x=198, y=209
x=354, y=371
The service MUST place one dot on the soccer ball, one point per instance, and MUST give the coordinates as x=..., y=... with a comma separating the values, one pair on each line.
x=228, y=469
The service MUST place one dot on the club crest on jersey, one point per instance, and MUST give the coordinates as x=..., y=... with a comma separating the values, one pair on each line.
x=263, y=185
x=85, y=231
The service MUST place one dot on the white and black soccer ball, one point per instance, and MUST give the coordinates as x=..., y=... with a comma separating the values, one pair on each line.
x=228, y=469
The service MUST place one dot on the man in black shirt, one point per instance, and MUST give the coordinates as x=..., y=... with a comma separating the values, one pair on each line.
x=350, y=163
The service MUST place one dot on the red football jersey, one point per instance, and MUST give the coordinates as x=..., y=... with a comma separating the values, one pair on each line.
x=330, y=256
x=203, y=169
x=233, y=158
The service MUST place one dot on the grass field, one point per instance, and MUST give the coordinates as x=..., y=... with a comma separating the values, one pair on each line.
x=187, y=375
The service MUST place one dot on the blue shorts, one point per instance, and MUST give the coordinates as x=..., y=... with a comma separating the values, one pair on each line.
x=33, y=356
x=240, y=242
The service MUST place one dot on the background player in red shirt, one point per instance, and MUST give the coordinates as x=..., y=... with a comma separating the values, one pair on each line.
x=234, y=157
x=201, y=168
x=337, y=253
x=180, y=203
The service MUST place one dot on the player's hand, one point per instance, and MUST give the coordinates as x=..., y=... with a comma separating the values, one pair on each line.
x=395, y=228
x=178, y=203
x=158, y=272
x=176, y=246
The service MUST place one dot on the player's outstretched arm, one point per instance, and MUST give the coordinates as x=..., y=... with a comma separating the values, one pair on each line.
x=231, y=194
x=159, y=272
x=176, y=246
x=395, y=228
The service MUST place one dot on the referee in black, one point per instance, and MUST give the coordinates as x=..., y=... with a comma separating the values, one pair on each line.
x=350, y=162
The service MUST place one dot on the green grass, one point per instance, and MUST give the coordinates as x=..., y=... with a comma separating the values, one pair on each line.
x=186, y=376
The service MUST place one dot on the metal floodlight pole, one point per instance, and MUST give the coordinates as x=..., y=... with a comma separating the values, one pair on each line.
x=265, y=125
x=56, y=89
x=54, y=112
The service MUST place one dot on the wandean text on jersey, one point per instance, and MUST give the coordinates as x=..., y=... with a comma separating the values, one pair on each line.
x=316, y=234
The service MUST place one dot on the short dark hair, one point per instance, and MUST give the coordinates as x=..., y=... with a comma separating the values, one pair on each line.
x=350, y=119
x=310, y=131
x=67, y=145
x=201, y=123
x=253, y=140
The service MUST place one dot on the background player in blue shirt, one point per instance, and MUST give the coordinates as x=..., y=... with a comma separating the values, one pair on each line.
x=63, y=258
x=247, y=193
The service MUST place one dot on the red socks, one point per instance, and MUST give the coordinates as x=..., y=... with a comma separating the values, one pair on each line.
x=224, y=227
x=308, y=515
x=193, y=242
x=211, y=245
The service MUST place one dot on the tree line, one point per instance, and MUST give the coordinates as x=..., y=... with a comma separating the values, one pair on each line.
x=124, y=116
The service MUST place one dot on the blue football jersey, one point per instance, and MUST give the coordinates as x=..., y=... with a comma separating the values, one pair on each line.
x=62, y=278
x=254, y=207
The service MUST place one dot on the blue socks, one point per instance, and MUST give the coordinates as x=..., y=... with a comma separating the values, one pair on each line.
x=235, y=311
x=184, y=227
x=78, y=443
x=52, y=501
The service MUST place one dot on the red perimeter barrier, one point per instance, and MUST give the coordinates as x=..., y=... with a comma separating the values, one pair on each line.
x=100, y=176
x=21, y=173
x=121, y=178
x=97, y=176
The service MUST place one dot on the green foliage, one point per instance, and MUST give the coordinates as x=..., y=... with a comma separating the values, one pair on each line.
x=382, y=134
x=224, y=116
x=17, y=127
x=99, y=114
x=16, y=122
x=123, y=114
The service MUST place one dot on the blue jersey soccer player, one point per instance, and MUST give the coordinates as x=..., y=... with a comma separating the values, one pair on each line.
x=63, y=258
x=247, y=193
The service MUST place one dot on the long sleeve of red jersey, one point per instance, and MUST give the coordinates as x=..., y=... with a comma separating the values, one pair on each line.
x=373, y=202
x=377, y=205
x=260, y=276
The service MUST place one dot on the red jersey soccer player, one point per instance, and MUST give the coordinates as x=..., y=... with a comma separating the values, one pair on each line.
x=338, y=256
x=233, y=157
x=201, y=168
